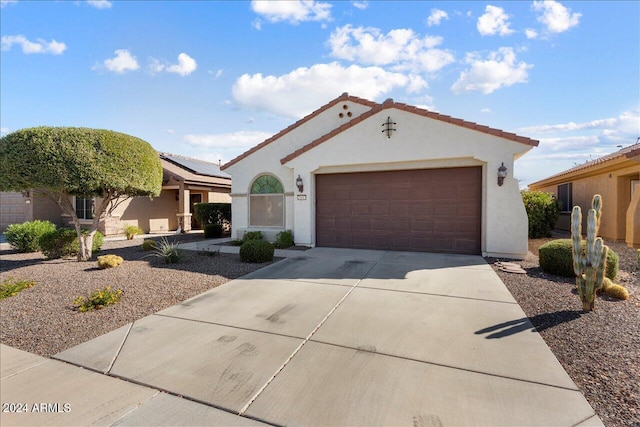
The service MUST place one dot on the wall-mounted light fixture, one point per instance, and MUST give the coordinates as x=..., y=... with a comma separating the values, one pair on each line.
x=502, y=174
x=299, y=184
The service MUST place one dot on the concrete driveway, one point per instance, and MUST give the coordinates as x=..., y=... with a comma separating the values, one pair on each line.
x=346, y=337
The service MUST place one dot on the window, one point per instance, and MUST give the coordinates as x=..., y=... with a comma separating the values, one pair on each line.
x=565, y=195
x=84, y=208
x=266, y=202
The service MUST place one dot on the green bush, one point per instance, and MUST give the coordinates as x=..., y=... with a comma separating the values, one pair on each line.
x=236, y=242
x=256, y=251
x=212, y=213
x=252, y=235
x=542, y=210
x=212, y=231
x=149, y=245
x=556, y=258
x=25, y=237
x=284, y=239
x=63, y=242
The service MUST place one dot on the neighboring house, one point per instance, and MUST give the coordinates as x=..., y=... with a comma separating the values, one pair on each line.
x=185, y=182
x=616, y=177
x=390, y=176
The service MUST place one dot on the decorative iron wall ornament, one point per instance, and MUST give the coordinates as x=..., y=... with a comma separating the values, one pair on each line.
x=388, y=126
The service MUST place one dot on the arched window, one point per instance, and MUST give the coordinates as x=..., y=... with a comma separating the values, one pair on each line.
x=266, y=202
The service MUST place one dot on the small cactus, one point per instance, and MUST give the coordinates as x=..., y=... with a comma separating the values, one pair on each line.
x=588, y=265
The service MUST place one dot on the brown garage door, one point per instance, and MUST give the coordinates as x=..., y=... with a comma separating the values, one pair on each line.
x=432, y=210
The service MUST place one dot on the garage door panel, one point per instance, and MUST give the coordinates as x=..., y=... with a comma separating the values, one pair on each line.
x=434, y=210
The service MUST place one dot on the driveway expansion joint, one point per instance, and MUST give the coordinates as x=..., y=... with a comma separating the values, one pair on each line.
x=442, y=365
x=113, y=361
x=307, y=339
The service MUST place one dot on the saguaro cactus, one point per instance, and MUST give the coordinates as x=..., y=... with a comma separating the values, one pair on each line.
x=588, y=263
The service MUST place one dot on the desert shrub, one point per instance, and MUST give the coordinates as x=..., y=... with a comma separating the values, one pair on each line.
x=284, y=239
x=97, y=300
x=212, y=231
x=256, y=251
x=212, y=213
x=542, y=210
x=25, y=237
x=131, y=231
x=252, y=235
x=556, y=258
x=109, y=261
x=149, y=245
x=63, y=242
x=10, y=287
x=617, y=292
x=169, y=251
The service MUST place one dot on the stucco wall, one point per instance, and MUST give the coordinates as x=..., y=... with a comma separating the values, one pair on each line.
x=151, y=215
x=615, y=188
x=419, y=142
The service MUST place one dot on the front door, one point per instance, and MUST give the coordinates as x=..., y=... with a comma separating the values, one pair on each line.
x=193, y=199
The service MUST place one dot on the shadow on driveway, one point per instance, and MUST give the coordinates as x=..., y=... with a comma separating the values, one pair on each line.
x=534, y=324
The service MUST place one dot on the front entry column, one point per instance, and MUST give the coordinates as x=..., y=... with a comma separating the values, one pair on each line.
x=184, y=214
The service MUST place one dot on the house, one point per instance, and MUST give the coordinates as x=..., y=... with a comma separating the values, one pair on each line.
x=359, y=174
x=616, y=177
x=185, y=181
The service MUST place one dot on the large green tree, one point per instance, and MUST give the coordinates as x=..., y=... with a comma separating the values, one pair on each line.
x=63, y=162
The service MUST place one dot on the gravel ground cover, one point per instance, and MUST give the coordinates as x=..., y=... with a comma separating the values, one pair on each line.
x=42, y=319
x=600, y=350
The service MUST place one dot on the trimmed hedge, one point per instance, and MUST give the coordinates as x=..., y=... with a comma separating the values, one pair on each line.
x=212, y=213
x=25, y=237
x=543, y=211
x=63, y=242
x=284, y=240
x=212, y=231
x=252, y=235
x=556, y=258
x=256, y=251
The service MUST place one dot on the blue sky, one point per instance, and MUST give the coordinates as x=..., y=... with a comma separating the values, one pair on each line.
x=211, y=79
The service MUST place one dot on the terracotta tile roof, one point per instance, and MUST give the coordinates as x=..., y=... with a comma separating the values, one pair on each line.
x=627, y=152
x=344, y=97
x=389, y=103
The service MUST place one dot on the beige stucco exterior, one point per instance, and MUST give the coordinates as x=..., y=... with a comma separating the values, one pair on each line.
x=330, y=142
x=162, y=214
x=613, y=177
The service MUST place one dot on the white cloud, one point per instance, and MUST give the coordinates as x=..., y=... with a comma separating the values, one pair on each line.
x=185, y=66
x=494, y=21
x=436, y=17
x=362, y=5
x=171, y=131
x=4, y=3
x=4, y=131
x=301, y=91
x=626, y=125
x=486, y=111
x=531, y=33
x=215, y=74
x=293, y=11
x=487, y=75
x=123, y=61
x=40, y=46
x=556, y=17
x=100, y=4
x=400, y=48
x=235, y=140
